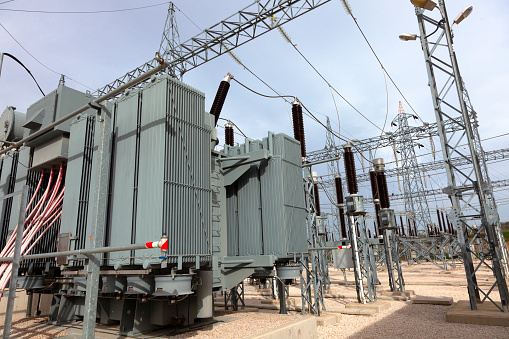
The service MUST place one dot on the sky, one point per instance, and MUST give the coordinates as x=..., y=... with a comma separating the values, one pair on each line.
x=95, y=49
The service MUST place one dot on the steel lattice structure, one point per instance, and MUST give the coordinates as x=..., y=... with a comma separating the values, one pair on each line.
x=247, y=24
x=170, y=48
x=471, y=186
x=416, y=203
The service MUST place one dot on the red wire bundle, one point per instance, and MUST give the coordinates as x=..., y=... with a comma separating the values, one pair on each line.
x=47, y=210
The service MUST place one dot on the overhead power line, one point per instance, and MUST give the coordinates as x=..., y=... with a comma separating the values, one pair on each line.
x=84, y=12
x=43, y=65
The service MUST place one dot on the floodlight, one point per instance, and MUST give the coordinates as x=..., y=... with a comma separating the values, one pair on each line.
x=408, y=36
x=464, y=13
x=426, y=4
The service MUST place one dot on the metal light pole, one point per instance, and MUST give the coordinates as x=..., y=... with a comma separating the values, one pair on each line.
x=469, y=188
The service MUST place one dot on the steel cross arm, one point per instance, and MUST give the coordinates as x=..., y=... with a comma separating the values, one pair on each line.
x=386, y=140
x=495, y=184
x=247, y=24
x=490, y=156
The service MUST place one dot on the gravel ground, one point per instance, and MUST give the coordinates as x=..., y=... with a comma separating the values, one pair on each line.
x=33, y=328
x=401, y=320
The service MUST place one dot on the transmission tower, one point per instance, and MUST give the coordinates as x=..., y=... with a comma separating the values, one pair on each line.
x=170, y=47
x=474, y=211
x=333, y=170
x=416, y=204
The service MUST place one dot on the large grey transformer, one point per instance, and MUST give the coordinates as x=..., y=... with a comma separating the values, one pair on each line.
x=224, y=213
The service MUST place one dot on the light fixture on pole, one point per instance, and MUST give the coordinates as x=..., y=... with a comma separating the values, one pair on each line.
x=464, y=13
x=408, y=36
x=426, y=4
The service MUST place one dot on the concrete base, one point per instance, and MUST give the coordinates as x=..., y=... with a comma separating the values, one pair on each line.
x=302, y=328
x=407, y=293
x=422, y=299
x=352, y=311
x=289, y=301
x=486, y=314
x=327, y=319
x=21, y=302
x=377, y=306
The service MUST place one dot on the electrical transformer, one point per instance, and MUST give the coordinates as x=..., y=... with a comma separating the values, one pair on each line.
x=224, y=213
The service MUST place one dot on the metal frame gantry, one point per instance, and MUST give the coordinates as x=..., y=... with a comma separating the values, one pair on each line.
x=474, y=202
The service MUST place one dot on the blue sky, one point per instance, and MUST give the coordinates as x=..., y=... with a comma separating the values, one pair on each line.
x=96, y=49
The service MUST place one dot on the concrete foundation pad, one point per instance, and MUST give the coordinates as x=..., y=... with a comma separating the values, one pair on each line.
x=302, y=328
x=422, y=299
x=326, y=320
x=395, y=298
x=352, y=311
x=290, y=301
x=486, y=314
x=377, y=306
x=407, y=293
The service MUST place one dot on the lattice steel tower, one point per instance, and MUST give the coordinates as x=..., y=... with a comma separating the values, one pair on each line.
x=474, y=211
x=416, y=204
x=170, y=47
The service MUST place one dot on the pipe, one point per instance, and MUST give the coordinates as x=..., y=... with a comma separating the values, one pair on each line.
x=82, y=251
x=82, y=109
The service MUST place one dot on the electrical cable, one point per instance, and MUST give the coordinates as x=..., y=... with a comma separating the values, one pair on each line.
x=187, y=17
x=26, y=69
x=234, y=125
x=43, y=65
x=334, y=89
x=84, y=12
x=4, y=2
x=381, y=65
x=263, y=95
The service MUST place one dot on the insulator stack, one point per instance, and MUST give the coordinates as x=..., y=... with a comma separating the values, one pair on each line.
x=317, y=199
x=376, y=230
x=341, y=200
x=351, y=176
x=402, y=229
x=222, y=91
x=415, y=229
x=228, y=135
x=410, y=231
x=440, y=221
x=382, y=190
x=369, y=233
x=298, y=126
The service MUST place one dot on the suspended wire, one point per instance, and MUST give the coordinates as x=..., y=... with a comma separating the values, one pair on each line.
x=234, y=124
x=328, y=83
x=349, y=12
x=40, y=61
x=187, y=17
x=26, y=69
x=309, y=114
x=1, y=3
x=263, y=95
x=83, y=12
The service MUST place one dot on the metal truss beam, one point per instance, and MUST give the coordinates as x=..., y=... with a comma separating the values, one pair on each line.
x=384, y=140
x=247, y=24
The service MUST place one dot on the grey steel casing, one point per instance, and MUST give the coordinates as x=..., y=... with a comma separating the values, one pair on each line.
x=266, y=211
x=161, y=172
x=52, y=107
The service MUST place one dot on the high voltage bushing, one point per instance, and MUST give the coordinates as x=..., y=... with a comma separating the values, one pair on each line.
x=222, y=91
x=317, y=199
x=351, y=177
x=376, y=195
x=298, y=126
x=316, y=193
x=228, y=134
x=386, y=216
x=341, y=202
x=383, y=192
